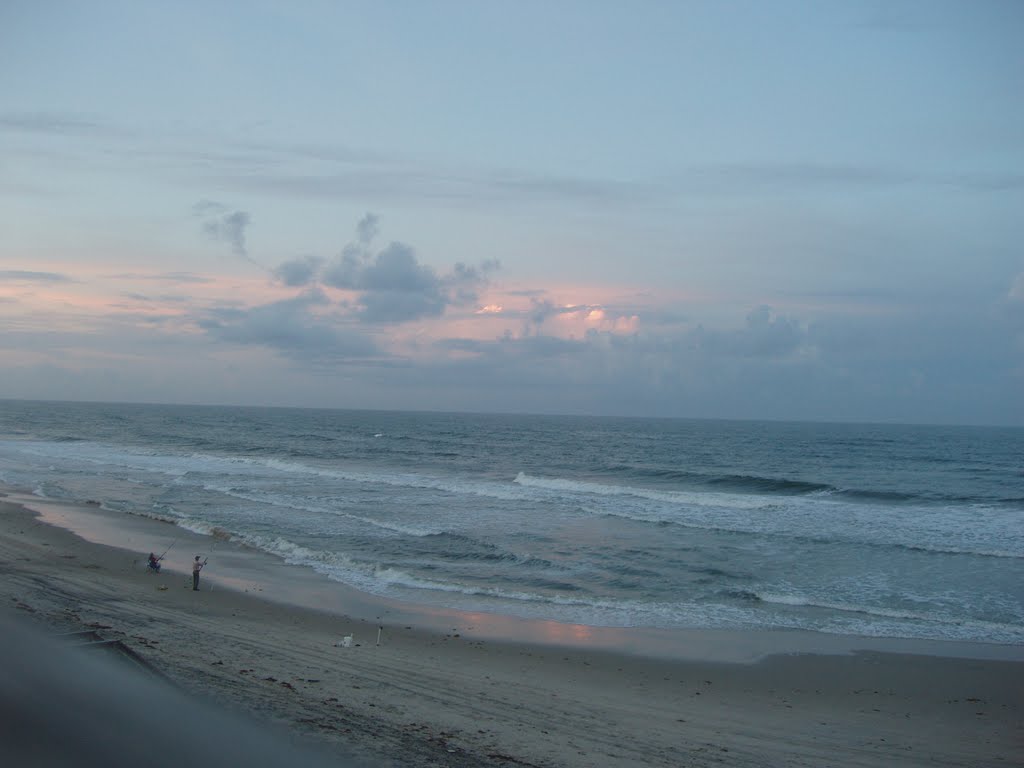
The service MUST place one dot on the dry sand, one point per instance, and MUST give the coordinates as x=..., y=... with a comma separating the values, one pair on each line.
x=426, y=696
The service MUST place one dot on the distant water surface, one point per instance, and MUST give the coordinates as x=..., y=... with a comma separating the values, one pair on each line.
x=877, y=530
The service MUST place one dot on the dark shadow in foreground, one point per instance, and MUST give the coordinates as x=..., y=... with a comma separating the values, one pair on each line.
x=68, y=706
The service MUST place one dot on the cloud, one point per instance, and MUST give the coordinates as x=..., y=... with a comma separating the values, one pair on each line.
x=390, y=284
x=169, y=277
x=366, y=229
x=231, y=228
x=765, y=177
x=224, y=225
x=291, y=327
x=397, y=180
x=399, y=306
x=764, y=335
x=18, y=275
x=893, y=367
x=671, y=370
x=299, y=272
x=394, y=287
x=443, y=185
x=164, y=298
x=540, y=310
x=48, y=123
x=544, y=315
x=464, y=282
x=395, y=269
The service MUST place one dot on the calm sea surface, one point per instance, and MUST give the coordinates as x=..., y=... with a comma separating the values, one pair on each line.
x=879, y=530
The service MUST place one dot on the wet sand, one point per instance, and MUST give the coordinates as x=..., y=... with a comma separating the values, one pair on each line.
x=447, y=688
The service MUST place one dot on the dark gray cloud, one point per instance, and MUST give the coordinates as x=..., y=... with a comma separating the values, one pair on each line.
x=299, y=272
x=664, y=371
x=230, y=228
x=20, y=275
x=224, y=225
x=343, y=271
x=892, y=366
x=392, y=286
x=540, y=310
x=764, y=335
x=399, y=306
x=367, y=228
x=465, y=281
x=291, y=327
x=543, y=309
x=395, y=269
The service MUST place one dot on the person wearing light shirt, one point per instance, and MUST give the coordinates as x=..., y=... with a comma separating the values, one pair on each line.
x=196, y=568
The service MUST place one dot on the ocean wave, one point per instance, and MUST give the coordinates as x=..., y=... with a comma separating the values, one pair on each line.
x=775, y=485
x=577, y=605
x=397, y=577
x=305, y=505
x=694, y=498
x=939, y=549
x=902, y=614
x=760, y=526
x=900, y=497
x=800, y=524
x=730, y=481
x=462, y=547
x=869, y=495
x=840, y=619
x=730, y=490
x=714, y=511
x=458, y=486
x=785, y=486
x=782, y=486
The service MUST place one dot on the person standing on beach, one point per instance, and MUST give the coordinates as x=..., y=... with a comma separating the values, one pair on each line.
x=196, y=568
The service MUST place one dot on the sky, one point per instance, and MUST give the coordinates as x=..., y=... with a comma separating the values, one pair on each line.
x=798, y=209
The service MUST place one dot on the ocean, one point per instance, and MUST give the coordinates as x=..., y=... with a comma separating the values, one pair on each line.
x=854, y=529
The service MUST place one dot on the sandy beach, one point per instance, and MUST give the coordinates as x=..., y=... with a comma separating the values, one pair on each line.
x=430, y=694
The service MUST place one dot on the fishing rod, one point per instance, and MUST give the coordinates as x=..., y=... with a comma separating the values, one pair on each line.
x=205, y=559
x=169, y=547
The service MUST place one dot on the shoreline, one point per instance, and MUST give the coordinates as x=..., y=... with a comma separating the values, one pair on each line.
x=245, y=569
x=450, y=693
